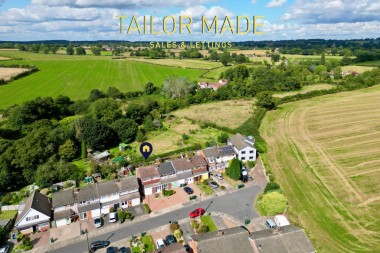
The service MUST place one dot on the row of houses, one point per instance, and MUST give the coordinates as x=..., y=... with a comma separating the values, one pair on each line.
x=99, y=198
x=86, y=202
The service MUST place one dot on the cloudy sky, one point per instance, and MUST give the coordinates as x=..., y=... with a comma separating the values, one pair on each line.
x=96, y=19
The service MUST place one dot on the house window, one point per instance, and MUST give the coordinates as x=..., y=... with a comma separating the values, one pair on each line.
x=243, y=158
x=124, y=202
x=251, y=158
x=32, y=218
x=251, y=151
x=242, y=152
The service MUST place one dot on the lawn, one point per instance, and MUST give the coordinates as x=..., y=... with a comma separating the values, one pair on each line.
x=230, y=181
x=148, y=242
x=170, y=138
x=207, y=220
x=229, y=113
x=356, y=68
x=205, y=189
x=5, y=215
x=369, y=63
x=75, y=76
x=304, y=89
x=324, y=152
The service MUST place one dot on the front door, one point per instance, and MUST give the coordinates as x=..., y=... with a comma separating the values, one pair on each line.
x=34, y=229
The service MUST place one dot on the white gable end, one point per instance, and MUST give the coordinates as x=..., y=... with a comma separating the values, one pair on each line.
x=32, y=217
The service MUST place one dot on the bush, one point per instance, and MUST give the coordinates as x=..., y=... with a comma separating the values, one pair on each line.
x=240, y=186
x=271, y=177
x=202, y=229
x=274, y=203
x=128, y=215
x=121, y=215
x=20, y=237
x=222, y=187
x=205, y=182
x=173, y=227
x=271, y=186
x=147, y=209
x=168, y=192
x=177, y=234
x=195, y=224
x=193, y=197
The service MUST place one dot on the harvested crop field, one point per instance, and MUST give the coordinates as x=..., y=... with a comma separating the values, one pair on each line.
x=325, y=153
x=7, y=73
x=229, y=113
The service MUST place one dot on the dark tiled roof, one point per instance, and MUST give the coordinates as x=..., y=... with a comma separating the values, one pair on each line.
x=198, y=160
x=184, y=175
x=147, y=172
x=63, y=198
x=166, y=168
x=89, y=207
x=107, y=187
x=130, y=196
x=289, y=239
x=227, y=150
x=240, y=141
x=62, y=214
x=211, y=152
x=173, y=248
x=87, y=193
x=38, y=202
x=232, y=240
x=128, y=183
x=182, y=164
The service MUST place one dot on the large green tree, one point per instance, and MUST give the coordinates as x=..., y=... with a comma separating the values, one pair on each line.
x=178, y=87
x=70, y=50
x=126, y=129
x=265, y=100
x=68, y=150
x=234, y=169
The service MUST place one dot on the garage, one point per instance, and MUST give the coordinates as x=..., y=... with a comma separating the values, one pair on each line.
x=61, y=222
x=62, y=218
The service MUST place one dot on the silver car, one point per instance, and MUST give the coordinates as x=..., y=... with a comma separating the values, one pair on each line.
x=219, y=176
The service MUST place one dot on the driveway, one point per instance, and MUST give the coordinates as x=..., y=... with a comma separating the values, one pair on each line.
x=238, y=204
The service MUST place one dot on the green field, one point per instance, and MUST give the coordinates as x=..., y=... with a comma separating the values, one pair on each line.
x=75, y=76
x=304, y=89
x=180, y=63
x=369, y=63
x=324, y=153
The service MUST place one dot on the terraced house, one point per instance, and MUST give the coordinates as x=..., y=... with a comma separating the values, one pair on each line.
x=171, y=174
x=94, y=200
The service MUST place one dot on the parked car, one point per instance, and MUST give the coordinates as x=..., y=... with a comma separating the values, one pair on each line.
x=4, y=249
x=270, y=223
x=113, y=217
x=214, y=184
x=197, y=212
x=170, y=239
x=124, y=250
x=111, y=250
x=188, y=190
x=187, y=247
x=98, y=222
x=160, y=244
x=219, y=176
x=98, y=245
x=244, y=176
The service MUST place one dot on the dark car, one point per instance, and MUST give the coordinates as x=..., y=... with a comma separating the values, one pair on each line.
x=188, y=190
x=98, y=245
x=170, y=239
x=111, y=250
x=124, y=250
x=187, y=247
x=197, y=212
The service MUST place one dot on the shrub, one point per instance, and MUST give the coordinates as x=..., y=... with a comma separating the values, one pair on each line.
x=271, y=186
x=274, y=203
x=193, y=197
x=180, y=241
x=203, y=229
x=271, y=177
x=20, y=237
x=147, y=209
x=121, y=215
x=173, y=227
x=177, y=234
x=195, y=224
x=240, y=186
x=205, y=182
x=128, y=215
x=168, y=192
x=222, y=187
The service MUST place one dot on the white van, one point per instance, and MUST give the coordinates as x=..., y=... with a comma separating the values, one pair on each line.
x=113, y=217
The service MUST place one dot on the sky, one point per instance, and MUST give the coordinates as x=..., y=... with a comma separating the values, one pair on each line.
x=28, y=20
